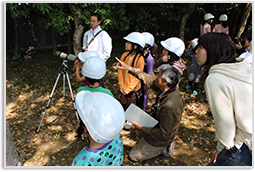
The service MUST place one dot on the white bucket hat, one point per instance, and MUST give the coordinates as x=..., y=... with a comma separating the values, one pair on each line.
x=223, y=17
x=102, y=115
x=84, y=55
x=175, y=45
x=137, y=38
x=149, y=38
x=208, y=16
x=194, y=43
x=94, y=67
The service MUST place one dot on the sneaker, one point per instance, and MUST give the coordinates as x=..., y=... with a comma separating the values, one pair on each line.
x=188, y=87
x=194, y=93
x=169, y=150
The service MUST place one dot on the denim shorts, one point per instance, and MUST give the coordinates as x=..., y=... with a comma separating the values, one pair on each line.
x=234, y=157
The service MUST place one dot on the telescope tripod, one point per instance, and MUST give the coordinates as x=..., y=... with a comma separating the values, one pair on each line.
x=64, y=72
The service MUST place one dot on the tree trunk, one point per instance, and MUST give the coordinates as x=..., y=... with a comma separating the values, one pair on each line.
x=235, y=22
x=78, y=30
x=54, y=41
x=16, y=27
x=246, y=12
x=184, y=21
x=12, y=156
x=69, y=43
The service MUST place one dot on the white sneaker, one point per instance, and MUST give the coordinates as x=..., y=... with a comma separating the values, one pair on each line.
x=169, y=151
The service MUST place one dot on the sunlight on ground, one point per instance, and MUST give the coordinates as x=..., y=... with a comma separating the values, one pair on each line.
x=49, y=149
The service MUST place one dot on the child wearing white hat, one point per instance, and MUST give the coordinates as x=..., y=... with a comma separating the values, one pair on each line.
x=130, y=86
x=195, y=71
x=78, y=63
x=102, y=118
x=171, y=54
x=206, y=27
x=148, y=65
x=222, y=26
x=93, y=69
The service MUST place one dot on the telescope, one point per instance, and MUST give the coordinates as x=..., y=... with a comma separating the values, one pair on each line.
x=69, y=57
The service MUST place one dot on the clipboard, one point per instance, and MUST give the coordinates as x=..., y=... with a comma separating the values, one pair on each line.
x=135, y=114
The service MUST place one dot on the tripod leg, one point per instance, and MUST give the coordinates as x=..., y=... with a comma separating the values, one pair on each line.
x=48, y=102
x=64, y=81
x=67, y=76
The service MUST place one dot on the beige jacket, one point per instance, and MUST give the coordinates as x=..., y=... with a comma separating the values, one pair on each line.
x=228, y=90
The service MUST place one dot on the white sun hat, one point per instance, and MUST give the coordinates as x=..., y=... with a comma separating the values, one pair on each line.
x=149, y=38
x=208, y=16
x=84, y=55
x=223, y=17
x=194, y=43
x=175, y=45
x=137, y=38
x=102, y=114
x=94, y=67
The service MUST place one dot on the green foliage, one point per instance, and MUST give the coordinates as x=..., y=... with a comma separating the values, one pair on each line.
x=55, y=15
x=16, y=56
x=112, y=14
x=18, y=10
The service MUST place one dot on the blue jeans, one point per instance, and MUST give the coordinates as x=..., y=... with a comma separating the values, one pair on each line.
x=234, y=157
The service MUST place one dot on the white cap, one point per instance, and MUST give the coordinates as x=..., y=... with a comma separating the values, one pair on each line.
x=84, y=55
x=94, y=67
x=194, y=43
x=175, y=45
x=223, y=17
x=149, y=39
x=208, y=16
x=137, y=38
x=102, y=115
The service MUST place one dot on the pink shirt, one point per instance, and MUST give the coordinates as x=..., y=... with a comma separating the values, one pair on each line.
x=220, y=29
x=205, y=29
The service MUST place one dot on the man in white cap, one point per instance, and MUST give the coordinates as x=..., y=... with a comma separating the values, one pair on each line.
x=102, y=118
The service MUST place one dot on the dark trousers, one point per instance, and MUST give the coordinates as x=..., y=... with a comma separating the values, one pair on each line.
x=234, y=157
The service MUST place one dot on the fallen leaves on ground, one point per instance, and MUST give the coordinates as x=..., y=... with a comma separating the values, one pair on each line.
x=28, y=88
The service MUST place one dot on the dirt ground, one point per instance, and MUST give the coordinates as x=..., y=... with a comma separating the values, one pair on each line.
x=28, y=88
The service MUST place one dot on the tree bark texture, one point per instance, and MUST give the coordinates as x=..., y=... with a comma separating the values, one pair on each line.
x=184, y=21
x=245, y=15
x=78, y=31
x=12, y=156
x=69, y=43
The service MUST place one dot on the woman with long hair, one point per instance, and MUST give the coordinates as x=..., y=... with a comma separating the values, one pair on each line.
x=228, y=88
